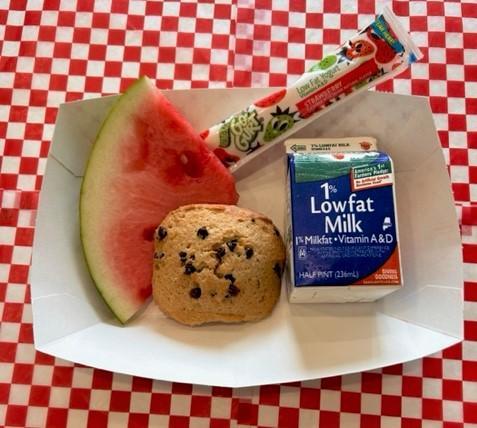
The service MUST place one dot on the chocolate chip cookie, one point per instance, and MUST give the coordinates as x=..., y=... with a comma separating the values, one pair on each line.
x=217, y=263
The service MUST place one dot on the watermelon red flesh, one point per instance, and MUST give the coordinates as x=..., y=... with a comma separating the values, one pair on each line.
x=146, y=161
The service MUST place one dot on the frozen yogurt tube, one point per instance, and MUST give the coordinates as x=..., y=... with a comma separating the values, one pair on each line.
x=375, y=54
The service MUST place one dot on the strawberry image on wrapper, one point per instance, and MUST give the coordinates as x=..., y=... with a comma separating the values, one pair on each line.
x=379, y=52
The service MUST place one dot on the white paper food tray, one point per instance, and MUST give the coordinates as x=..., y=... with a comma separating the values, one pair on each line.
x=297, y=342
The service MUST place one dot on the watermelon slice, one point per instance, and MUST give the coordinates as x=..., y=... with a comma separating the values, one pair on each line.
x=271, y=99
x=146, y=161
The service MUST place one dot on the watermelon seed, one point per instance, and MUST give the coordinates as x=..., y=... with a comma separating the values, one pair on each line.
x=193, y=163
x=161, y=233
x=202, y=233
x=195, y=292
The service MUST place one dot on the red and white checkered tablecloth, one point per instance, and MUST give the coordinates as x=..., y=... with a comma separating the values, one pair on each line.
x=53, y=51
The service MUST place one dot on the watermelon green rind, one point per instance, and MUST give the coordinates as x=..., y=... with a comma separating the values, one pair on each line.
x=146, y=161
x=122, y=310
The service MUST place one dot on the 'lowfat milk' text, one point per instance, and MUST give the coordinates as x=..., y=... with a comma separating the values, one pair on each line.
x=341, y=215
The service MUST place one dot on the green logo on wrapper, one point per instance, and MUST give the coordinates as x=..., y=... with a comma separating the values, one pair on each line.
x=241, y=130
x=327, y=62
x=281, y=121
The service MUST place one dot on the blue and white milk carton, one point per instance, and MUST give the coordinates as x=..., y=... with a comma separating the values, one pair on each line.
x=342, y=231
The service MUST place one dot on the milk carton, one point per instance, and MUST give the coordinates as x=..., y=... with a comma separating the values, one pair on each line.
x=342, y=231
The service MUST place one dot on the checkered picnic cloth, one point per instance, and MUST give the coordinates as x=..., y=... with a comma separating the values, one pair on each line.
x=52, y=51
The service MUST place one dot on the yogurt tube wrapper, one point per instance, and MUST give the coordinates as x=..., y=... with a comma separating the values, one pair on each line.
x=375, y=54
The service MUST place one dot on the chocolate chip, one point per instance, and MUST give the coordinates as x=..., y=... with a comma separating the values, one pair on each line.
x=213, y=293
x=233, y=290
x=195, y=292
x=253, y=220
x=232, y=244
x=278, y=269
x=189, y=268
x=161, y=233
x=276, y=231
x=183, y=257
x=248, y=252
x=158, y=255
x=202, y=233
x=229, y=277
x=220, y=252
